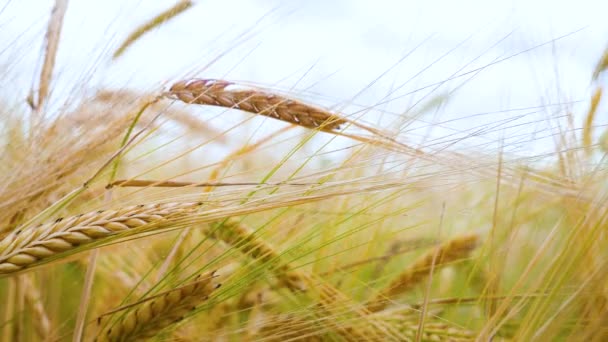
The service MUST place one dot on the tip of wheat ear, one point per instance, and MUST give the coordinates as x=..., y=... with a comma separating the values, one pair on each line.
x=257, y=101
x=29, y=246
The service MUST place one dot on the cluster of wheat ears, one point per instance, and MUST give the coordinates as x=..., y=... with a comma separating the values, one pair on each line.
x=289, y=257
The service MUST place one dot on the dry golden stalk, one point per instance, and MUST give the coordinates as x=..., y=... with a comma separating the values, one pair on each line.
x=29, y=246
x=602, y=65
x=225, y=94
x=158, y=20
x=221, y=93
x=57, y=161
x=53, y=34
x=452, y=250
x=33, y=299
x=588, y=126
x=147, y=318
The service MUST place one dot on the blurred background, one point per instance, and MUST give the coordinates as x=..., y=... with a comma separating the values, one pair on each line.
x=474, y=74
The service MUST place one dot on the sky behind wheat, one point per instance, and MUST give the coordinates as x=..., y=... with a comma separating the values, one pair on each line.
x=503, y=55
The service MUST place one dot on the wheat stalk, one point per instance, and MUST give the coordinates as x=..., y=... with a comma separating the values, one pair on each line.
x=158, y=20
x=30, y=246
x=225, y=94
x=150, y=316
x=454, y=249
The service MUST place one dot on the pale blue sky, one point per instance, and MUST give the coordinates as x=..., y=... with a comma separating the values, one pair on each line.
x=336, y=48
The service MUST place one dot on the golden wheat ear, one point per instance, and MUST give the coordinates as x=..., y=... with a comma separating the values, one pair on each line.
x=220, y=93
x=159, y=19
x=441, y=256
x=30, y=246
x=257, y=101
x=602, y=65
x=241, y=237
x=150, y=316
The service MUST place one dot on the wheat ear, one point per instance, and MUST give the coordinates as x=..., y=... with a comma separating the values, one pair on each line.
x=158, y=20
x=30, y=246
x=588, y=126
x=452, y=250
x=52, y=43
x=235, y=234
x=226, y=94
x=330, y=300
x=147, y=318
x=40, y=318
x=601, y=66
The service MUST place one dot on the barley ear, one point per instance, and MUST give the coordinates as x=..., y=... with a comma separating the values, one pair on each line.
x=256, y=101
x=158, y=20
x=241, y=237
x=588, y=126
x=33, y=299
x=33, y=245
x=452, y=250
x=53, y=34
x=148, y=317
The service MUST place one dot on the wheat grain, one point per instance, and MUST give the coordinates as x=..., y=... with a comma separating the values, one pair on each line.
x=158, y=20
x=148, y=317
x=29, y=246
x=226, y=94
x=454, y=249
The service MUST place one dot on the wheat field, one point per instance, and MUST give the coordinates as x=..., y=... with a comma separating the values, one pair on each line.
x=126, y=216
